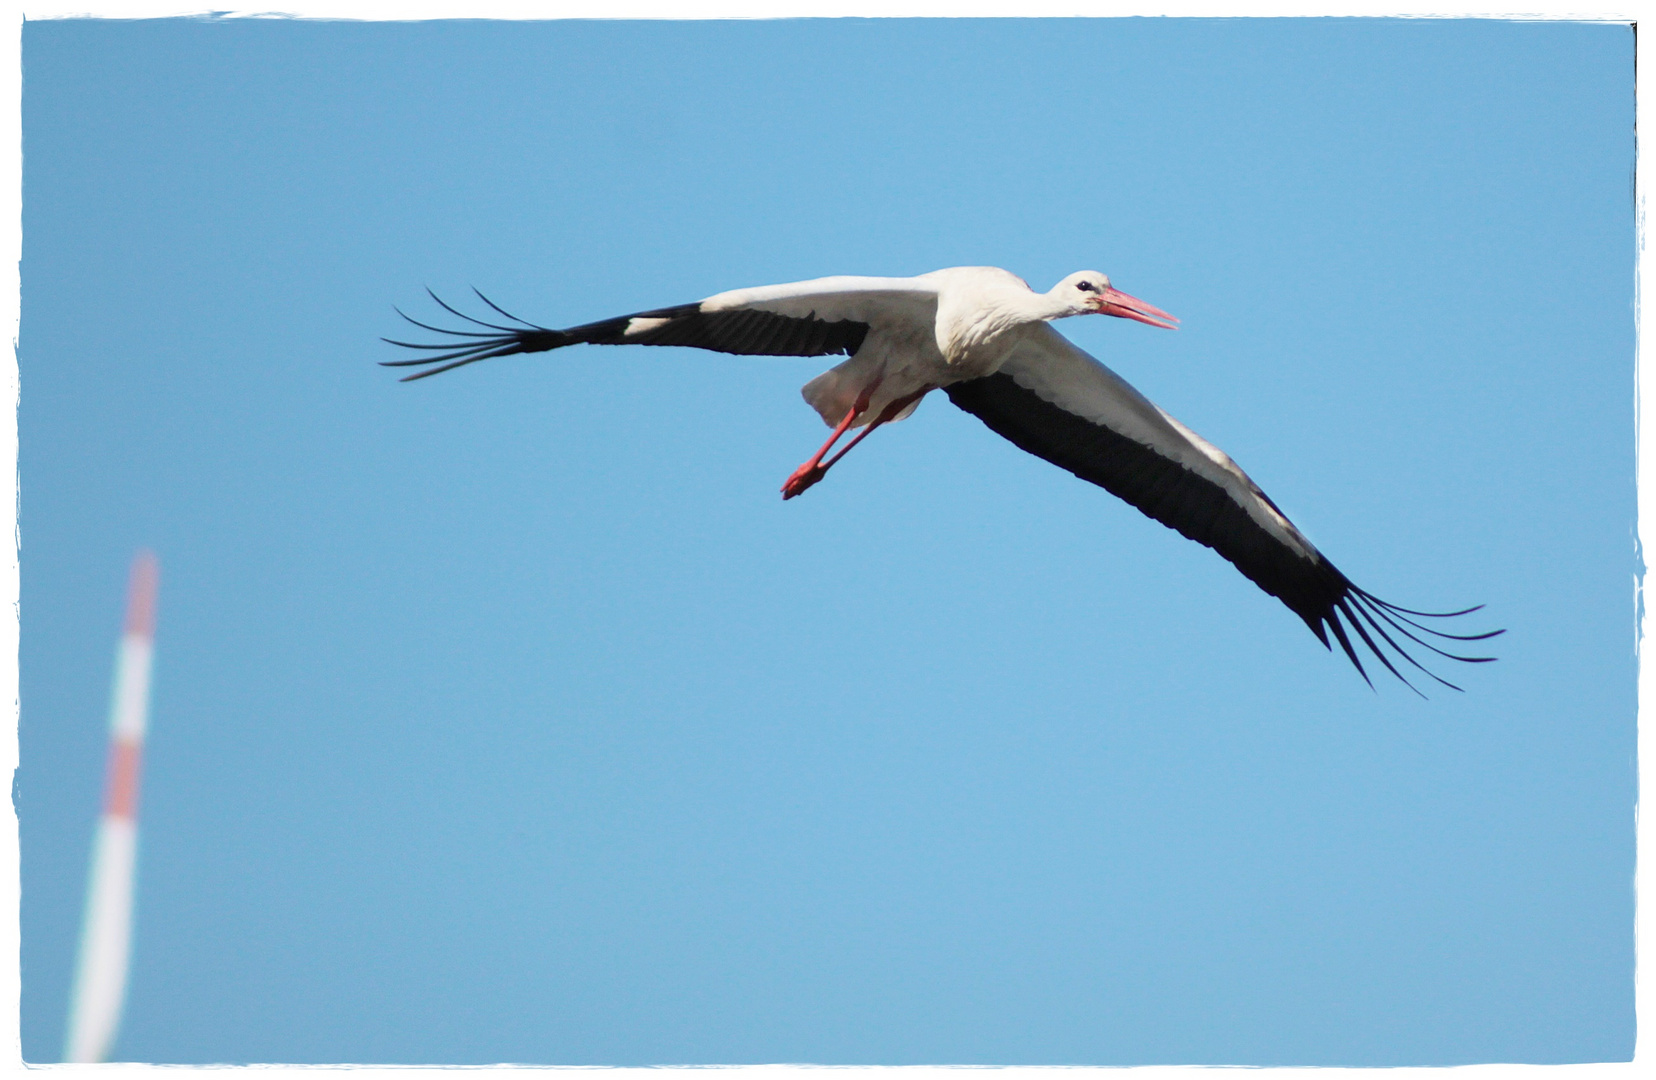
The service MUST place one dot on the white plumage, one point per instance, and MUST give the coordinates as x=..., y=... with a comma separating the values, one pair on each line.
x=981, y=335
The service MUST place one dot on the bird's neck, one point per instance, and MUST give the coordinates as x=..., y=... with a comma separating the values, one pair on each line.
x=1026, y=306
x=1049, y=305
x=978, y=331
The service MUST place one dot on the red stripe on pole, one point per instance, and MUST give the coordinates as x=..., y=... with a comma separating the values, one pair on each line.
x=146, y=575
x=121, y=796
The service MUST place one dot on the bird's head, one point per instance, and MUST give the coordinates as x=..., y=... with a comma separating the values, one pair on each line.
x=1090, y=293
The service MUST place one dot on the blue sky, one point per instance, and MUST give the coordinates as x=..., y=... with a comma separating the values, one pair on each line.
x=512, y=716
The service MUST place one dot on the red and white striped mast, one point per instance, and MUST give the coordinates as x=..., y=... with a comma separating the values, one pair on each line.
x=100, y=979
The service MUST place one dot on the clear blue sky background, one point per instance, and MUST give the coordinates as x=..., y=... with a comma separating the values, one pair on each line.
x=512, y=715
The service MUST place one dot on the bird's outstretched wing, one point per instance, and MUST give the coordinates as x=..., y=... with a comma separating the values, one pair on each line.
x=804, y=318
x=1057, y=402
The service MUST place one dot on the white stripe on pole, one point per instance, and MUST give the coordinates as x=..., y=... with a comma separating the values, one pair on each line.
x=100, y=979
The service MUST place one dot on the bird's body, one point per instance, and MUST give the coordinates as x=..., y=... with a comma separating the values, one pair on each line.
x=984, y=337
x=923, y=333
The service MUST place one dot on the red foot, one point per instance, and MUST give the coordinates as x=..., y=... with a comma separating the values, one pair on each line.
x=815, y=469
x=802, y=479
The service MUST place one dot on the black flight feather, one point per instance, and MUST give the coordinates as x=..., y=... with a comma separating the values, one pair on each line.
x=742, y=331
x=1163, y=489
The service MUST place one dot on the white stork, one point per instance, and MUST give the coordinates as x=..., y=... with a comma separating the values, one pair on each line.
x=982, y=336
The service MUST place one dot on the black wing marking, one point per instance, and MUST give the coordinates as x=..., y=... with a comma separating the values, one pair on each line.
x=744, y=332
x=1205, y=512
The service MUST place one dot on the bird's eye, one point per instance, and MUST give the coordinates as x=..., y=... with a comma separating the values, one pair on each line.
x=1085, y=286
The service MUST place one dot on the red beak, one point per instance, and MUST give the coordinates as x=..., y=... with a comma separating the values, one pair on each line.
x=1117, y=303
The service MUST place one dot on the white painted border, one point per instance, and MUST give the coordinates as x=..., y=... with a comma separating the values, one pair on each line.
x=772, y=9
x=11, y=250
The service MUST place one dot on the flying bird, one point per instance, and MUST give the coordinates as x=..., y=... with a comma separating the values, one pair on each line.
x=984, y=337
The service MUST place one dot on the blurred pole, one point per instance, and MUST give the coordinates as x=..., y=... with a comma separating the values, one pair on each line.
x=100, y=979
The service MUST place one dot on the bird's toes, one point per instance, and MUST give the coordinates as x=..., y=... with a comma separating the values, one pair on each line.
x=801, y=480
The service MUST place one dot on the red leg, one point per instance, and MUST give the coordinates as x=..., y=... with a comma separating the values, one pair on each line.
x=884, y=418
x=814, y=470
